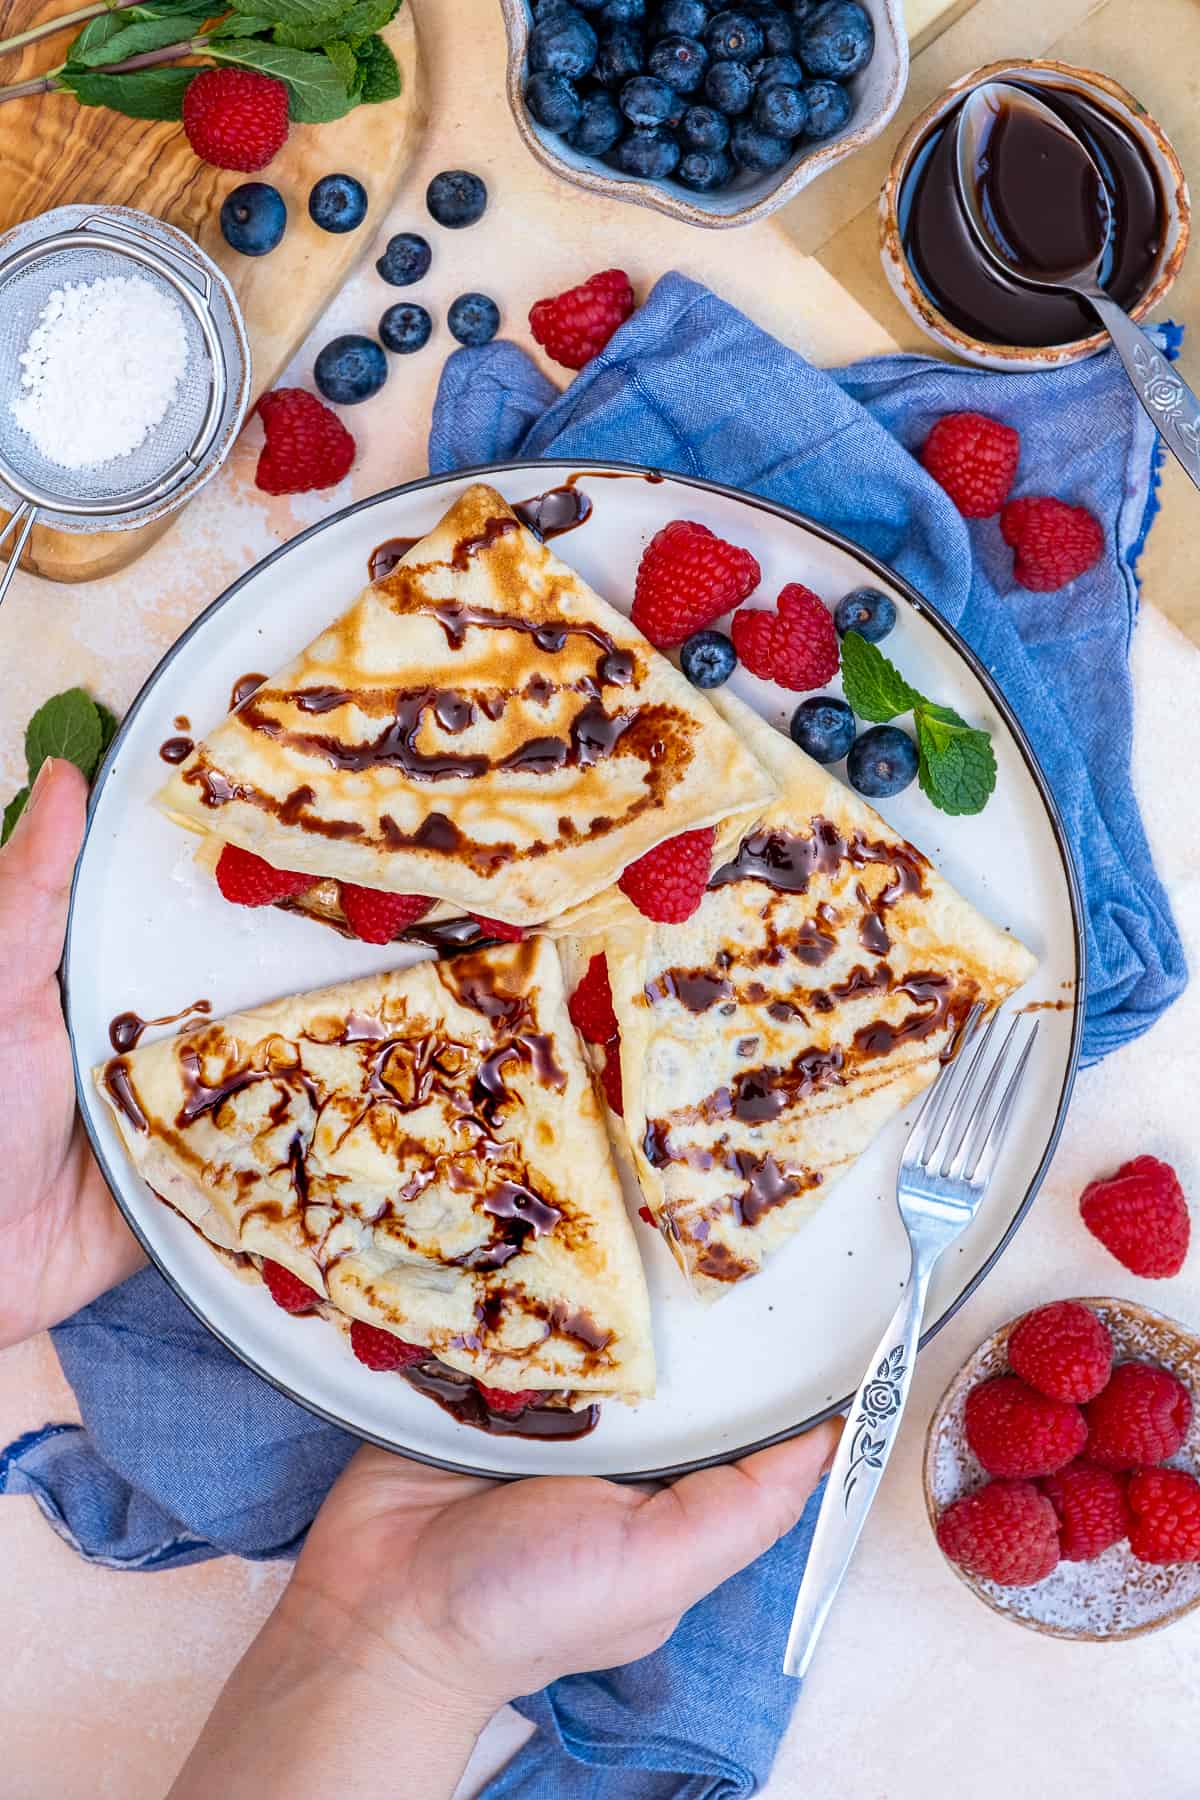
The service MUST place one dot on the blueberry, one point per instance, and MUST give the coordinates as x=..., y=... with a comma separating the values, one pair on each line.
x=708, y=659
x=704, y=128
x=680, y=62
x=456, y=197
x=729, y=87
x=758, y=150
x=406, y=259
x=734, y=37
x=554, y=103
x=866, y=611
x=350, y=369
x=338, y=203
x=829, y=107
x=882, y=762
x=777, y=33
x=253, y=218
x=824, y=727
x=405, y=327
x=647, y=101
x=473, y=319
x=650, y=154
x=563, y=44
x=801, y=10
x=836, y=39
x=623, y=12
x=621, y=55
x=599, y=126
x=688, y=17
x=704, y=170
x=780, y=111
x=773, y=71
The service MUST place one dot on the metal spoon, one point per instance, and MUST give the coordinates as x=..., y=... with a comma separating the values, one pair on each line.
x=1170, y=403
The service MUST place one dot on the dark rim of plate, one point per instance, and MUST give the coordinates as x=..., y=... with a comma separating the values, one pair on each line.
x=873, y=566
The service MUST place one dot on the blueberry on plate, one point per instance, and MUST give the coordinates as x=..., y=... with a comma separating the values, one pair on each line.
x=758, y=150
x=680, y=62
x=704, y=128
x=829, y=107
x=866, y=611
x=708, y=658
x=350, y=369
x=882, y=762
x=823, y=727
x=623, y=12
x=599, y=125
x=621, y=54
x=780, y=111
x=836, y=39
x=456, y=198
x=647, y=101
x=253, y=218
x=554, y=103
x=563, y=44
x=337, y=203
x=406, y=259
x=734, y=37
x=728, y=85
x=473, y=319
x=652, y=155
x=687, y=17
x=405, y=327
x=772, y=71
x=705, y=170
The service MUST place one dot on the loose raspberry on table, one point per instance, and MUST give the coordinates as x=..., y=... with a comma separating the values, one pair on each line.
x=591, y=1005
x=249, y=881
x=235, y=118
x=1006, y=1532
x=1165, y=1509
x=287, y=1290
x=376, y=916
x=1142, y=1416
x=1091, y=1508
x=307, y=446
x=502, y=1400
x=1054, y=542
x=1140, y=1214
x=1017, y=1432
x=496, y=928
x=668, y=883
x=687, y=578
x=1062, y=1350
x=610, y=1077
x=975, y=459
x=381, y=1350
x=795, y=646
x=575, y=326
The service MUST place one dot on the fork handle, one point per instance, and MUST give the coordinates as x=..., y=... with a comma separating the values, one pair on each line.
x=857, y=1469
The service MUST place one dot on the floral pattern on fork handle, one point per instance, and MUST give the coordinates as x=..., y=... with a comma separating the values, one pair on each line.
x=880, y=1403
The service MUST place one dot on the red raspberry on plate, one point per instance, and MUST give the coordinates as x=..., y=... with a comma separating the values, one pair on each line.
x=575, y=326
x=687, y=578
x=795, y=646
x=235, y=118
x=287, y=1290
x=591, y=1005
x=501, y=1400
x=1006, y=1532
x=249, y=881
x=1062, y=1350
x=1091, y=1509
x=610, y=1077
x=1165, y=1526
x=975, y=459
x=1140, y=1214
x=668, y=883
x=307, y=445
x=1017, y=1432
x=1142, y=1416
x=1054, y=542
x=380, y=1350
x=645, y=1214
x=376, y=916
x=508, y=934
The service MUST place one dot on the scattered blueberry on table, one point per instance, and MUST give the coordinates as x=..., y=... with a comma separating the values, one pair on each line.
x=866, y=611
x=474, y=319
x=882, y=762
x=405, y=327
x=338, y=203
x=708, y=659
x=350, y=369
x=823, y=727
x=253, y=218
x=405, y=260
x=456, y=198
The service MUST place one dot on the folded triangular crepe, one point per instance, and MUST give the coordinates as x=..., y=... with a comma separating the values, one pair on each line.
x=424, y=1150
x=765, y=1042
x=480, y=727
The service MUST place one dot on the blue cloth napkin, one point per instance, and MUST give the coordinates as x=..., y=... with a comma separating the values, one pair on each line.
x=184, y=1453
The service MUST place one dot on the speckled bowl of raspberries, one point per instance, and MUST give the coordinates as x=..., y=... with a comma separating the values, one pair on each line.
x=712, y=113
x=1062, y=1470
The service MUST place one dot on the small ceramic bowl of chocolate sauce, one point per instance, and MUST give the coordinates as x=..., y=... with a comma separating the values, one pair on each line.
x=940, y=273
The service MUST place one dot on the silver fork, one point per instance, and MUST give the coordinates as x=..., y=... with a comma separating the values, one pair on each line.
x=944, y=1172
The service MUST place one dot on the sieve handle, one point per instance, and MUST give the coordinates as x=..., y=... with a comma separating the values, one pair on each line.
x=191, y=272
x=22, y=518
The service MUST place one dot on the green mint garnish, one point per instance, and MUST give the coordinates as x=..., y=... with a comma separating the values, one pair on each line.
x=956, y=766
x=71, y=725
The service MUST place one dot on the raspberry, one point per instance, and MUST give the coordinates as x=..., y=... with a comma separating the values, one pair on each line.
x=1165, y=1504
x=1140, y=1214
x=575, y=326
x=508, y=934
x=1091, y=1509
x=796, y=646
x=591, y=1005
x=1141, y=1417
x=377, y=917
x=687, y=578
x=668, y=883
x=975, y=459
x=1054, y=542
x=610, y=1077
x=645, y=1213
x=1016, y=1432
x=307, y=446
x=1005, y=1532
x=380, y=1350
x=1062, y=1350
x=235, y=118
x=501, y=1400
x=287, y=1290
x=249, y=881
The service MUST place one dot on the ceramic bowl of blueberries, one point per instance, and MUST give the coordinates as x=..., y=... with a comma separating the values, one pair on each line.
x=715, y=114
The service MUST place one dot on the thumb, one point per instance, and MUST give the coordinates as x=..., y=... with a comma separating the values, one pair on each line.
x=36, y=866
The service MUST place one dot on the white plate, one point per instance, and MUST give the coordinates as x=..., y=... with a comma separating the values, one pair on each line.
x=149, y=933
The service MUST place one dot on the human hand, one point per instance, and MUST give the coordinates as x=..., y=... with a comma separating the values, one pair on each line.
x=62, y=1240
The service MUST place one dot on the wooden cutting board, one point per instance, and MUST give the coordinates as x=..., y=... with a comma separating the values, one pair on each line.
x=54, y=152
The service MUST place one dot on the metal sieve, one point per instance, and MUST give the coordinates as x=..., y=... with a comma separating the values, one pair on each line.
x=189, y=442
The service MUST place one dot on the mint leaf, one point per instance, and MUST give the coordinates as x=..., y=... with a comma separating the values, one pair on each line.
x=142, y=94
x=69, y=725
x=356, y=23
x=115, y=35
x=12, y=813
x=294, y=12
x=109, y=726
x=242, y=25
x=343, y=59
x=378, y=75
x=316, y=92
x=874, y=687
x=957, y=768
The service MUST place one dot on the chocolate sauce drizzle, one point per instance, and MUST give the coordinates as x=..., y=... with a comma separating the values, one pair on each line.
x=125, y=1030
x=176, y=749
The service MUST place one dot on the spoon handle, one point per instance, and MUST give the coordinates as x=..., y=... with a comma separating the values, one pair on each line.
x=1169, y=401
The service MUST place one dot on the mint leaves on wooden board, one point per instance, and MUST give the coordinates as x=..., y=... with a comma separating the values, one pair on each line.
x=957, y=765
x=71, y=725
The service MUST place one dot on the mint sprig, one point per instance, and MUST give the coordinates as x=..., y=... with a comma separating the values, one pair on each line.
x=71, y=725
x=956, y=762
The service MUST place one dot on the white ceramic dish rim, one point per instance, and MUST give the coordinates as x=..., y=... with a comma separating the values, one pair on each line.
x=872, y=565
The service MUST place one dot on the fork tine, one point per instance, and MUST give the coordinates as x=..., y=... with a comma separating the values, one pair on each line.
x=980, y=1171
x=961, y=1109
x=954, y=1163
x=927, y=1118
